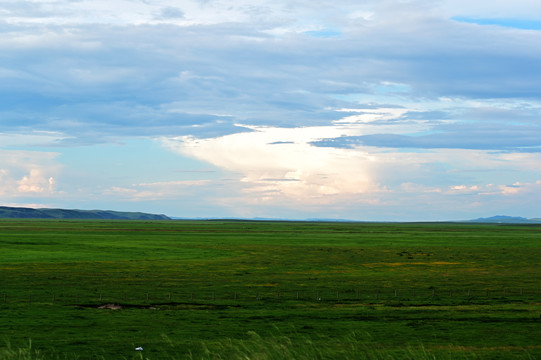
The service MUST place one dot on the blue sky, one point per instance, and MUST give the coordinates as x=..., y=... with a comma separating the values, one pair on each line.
x=376, y=110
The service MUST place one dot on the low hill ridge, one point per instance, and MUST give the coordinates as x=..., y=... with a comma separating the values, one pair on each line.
x=507, y=219
x=30, y=213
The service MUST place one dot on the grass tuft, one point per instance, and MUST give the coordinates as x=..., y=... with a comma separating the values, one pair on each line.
x=23, y=353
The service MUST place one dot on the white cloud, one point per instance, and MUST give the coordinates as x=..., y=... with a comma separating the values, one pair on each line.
x=279, y=166
x=464, y=188
x=278, y=162
x=35, y=182
x=84, y=72
x=285, y=16
x=371, y=115
x=217, y=67
x=27, y=173
x=494, y=8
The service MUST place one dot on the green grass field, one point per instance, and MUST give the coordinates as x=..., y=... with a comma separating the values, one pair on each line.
x=269, y=290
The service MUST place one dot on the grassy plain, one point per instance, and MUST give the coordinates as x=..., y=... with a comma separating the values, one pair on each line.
x=234, y=289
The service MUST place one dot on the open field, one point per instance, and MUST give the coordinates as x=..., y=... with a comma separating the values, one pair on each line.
x=228, y=289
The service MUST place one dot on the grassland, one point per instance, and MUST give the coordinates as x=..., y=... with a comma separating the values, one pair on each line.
x=257, y=290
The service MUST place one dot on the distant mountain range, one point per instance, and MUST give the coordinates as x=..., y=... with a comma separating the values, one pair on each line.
x=7, y=212
x=29, y=213
x=502, y=219
x=494, y=219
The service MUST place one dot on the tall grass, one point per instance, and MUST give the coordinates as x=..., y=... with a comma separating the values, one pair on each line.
x=354, y=346
x=24, y=353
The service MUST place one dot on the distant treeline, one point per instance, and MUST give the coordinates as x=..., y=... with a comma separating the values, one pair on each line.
x=29, y=213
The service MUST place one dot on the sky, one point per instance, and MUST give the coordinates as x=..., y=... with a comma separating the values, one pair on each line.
x=372, y=110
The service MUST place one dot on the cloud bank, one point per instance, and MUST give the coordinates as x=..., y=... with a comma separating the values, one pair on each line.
x=301, y=109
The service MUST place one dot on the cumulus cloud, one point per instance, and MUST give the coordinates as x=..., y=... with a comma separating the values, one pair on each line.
x=35, y=182
x=272, y=169
x=27, y=173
